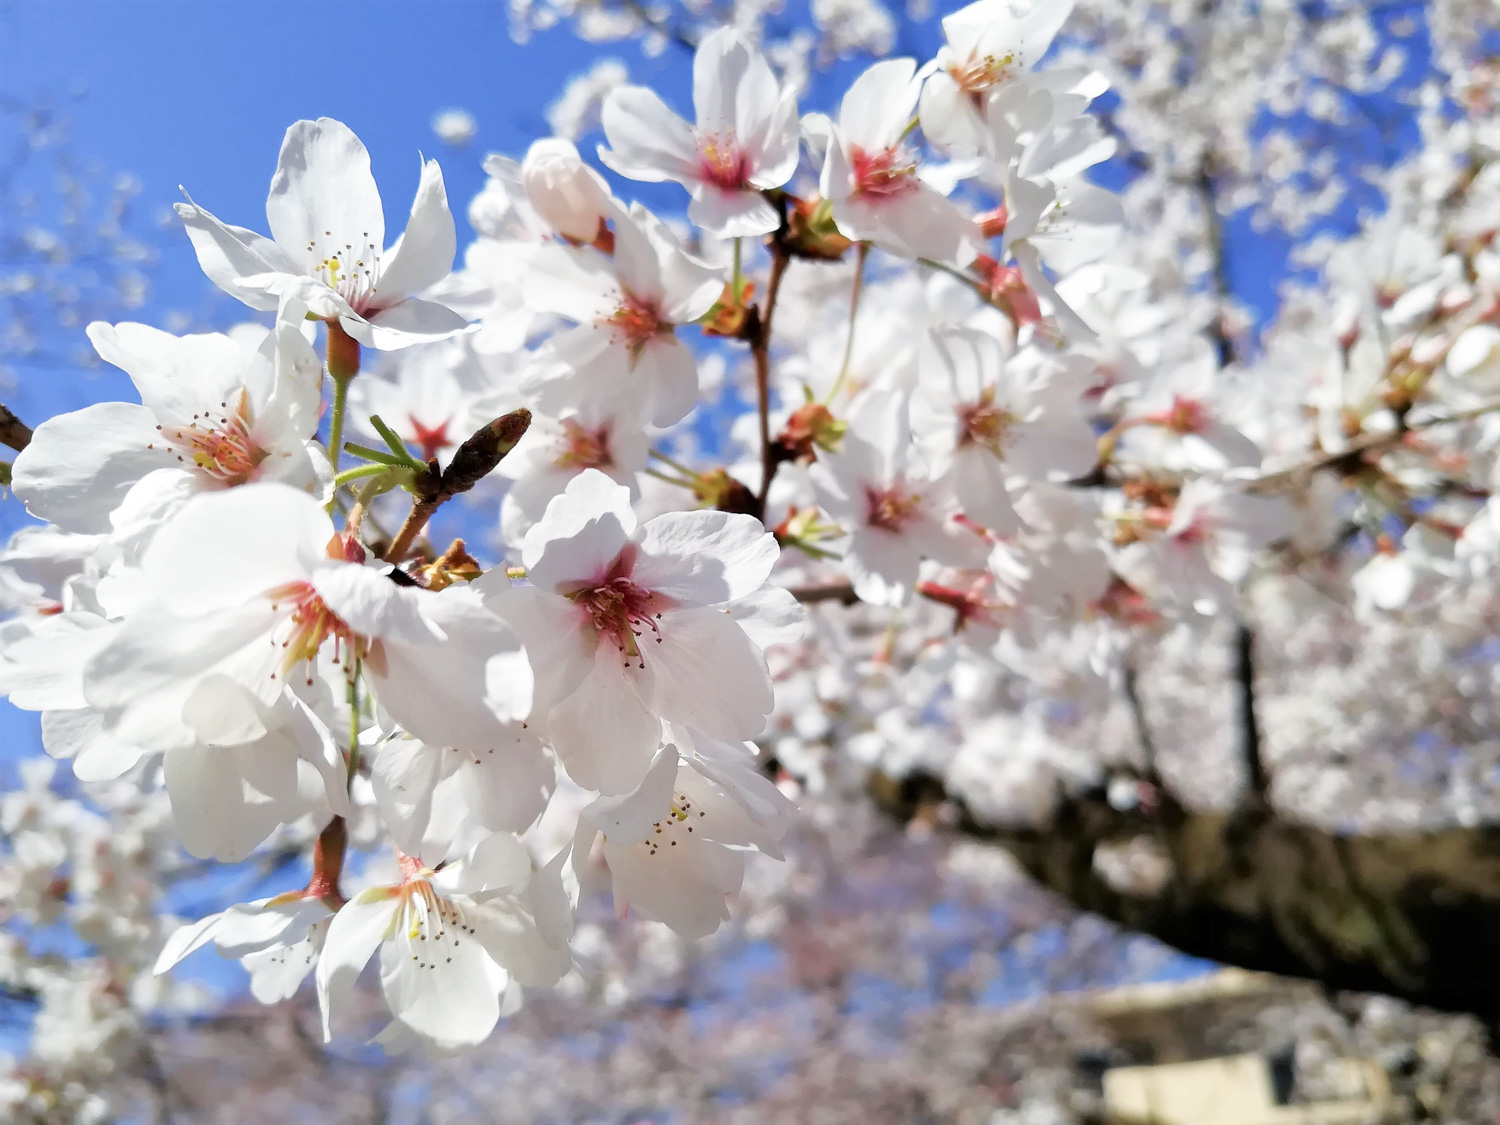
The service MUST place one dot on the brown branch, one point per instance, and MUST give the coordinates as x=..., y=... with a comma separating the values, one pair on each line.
x=1250, y=747
x=841, y=592
x=760, y=352
x=13, y=432
x=475, y=459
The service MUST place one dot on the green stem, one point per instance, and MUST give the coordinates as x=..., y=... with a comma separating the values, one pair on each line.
x=678, y=465
x=348, y=476
x=669, y=480
x=737, y=284
x=336, y=422
x=859, y=286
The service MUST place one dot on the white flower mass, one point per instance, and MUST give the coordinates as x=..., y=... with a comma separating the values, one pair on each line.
x=979, y=452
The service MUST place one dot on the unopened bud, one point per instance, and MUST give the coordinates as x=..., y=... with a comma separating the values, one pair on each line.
x=483, y=450
x=569, y=195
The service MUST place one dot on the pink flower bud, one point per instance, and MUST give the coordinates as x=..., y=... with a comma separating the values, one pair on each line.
x=568, y=194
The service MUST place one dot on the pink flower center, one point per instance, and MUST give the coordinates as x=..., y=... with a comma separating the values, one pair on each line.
x=722, y=162
x=1186, y=416
x=432, y=439
x=583, y=448
x=639, y=321
x=221, y=449
x=308, y=624
x=984, y=423
x=890, y=509
x=886, y=174
x=622, y=611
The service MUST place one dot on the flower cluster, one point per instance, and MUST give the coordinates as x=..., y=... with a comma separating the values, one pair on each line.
x=892, y=455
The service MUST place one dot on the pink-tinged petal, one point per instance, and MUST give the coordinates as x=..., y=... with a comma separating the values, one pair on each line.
x=551, y=630
x=732, y=214
x=225, y=548
x=647, y=140
x=708, y=675
x=668, y=368
x=875, y=112
x=581, y=533
x=373, y=605
x=412, y=321
x=704, y=557
x=323, y=199
x=353, y=936
x=921, y=223
x=424, y=253
x=571, y=283
x=80, y=465
x=242, y=263
x=603, y=732
x=583, y=364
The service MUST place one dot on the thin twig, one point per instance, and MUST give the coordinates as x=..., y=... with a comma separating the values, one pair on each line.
x=13, y=432
x=760, y=350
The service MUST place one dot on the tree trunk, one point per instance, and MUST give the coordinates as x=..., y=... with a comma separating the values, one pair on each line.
x=1413, y=916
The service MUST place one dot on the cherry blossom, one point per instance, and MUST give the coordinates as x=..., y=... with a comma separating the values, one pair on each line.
x=327, y=246
x=628, y=623
x=744, y=142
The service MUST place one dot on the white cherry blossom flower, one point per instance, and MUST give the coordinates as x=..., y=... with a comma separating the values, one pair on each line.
x=873, y=177
x=277, y=940
x=628, y=625
x=989, y=43
x=455, y=946
x=993, y=421
x=744, y=142
x=625, y=348
x=244, y=590
x=896, y=512
x=327, y=248
x=675, y=847
x=213, y=415
x=555, y=450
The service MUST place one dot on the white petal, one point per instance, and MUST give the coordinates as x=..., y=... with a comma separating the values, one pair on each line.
x=581, y=534
x=355, y=933
x=647, y=140
x=603, y=732
x=408, y=322
x=247, y=266
x=323, y=196
x=373, y=605
x=80, y=465
x=704, y=557
x=708, y=675
x=423, y=255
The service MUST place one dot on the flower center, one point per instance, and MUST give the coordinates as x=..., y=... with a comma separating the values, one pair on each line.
x=432, y=439
x=221, y=449
x=679, y=821
x=980, y=74
x=308, y=623
x=890, y=509
x=430, y=926
x=350, y=271
x=583, y=448
x=623, y=612
x=984, y=423
x=640, y=322
x=1186, y=416
x=722, y=162
x=885, y=174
